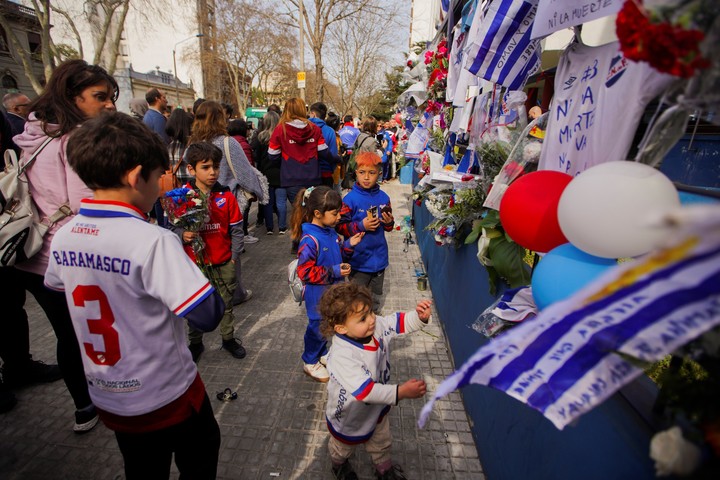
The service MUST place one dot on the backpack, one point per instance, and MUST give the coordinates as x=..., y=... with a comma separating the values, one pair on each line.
x=297, y=287
x=21, y=231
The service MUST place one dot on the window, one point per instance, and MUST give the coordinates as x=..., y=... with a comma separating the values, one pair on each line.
x=34, y=42
x=4, y=47
x=9, y=83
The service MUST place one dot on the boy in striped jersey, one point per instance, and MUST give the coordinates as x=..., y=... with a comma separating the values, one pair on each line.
x=359, y=391
x=128, y=283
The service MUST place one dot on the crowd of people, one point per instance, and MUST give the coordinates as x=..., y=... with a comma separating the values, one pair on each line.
x=113, y=244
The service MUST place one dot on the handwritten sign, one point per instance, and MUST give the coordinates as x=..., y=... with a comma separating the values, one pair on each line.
x=554, y=15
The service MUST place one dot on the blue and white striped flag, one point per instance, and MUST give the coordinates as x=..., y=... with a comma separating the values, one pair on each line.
x=501, y=49
x=567, y=360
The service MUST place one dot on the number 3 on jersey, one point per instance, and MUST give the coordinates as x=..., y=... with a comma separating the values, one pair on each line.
x=102, y=326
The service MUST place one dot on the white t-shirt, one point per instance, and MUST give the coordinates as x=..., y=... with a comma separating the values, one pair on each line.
x=127, y=284
x=598, y=103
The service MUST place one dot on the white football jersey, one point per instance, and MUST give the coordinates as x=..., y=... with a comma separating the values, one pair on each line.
x=127, y=283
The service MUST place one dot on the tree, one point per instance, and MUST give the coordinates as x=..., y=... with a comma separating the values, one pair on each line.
x=357, y=59
x=247, y=45
x=105, y=19
x=321, y=15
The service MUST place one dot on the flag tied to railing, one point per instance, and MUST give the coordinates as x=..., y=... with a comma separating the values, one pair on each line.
x=572, y=356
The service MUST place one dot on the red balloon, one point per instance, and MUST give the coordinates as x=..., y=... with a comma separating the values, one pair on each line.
x=528, y=210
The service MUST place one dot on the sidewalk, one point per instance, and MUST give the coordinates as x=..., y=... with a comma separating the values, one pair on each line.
x=276, y=428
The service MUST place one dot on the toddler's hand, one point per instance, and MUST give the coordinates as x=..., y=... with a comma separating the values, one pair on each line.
x=355, y=239
x=413, y=388
x=345, y=269
x=371, y=223
x=424, y=310
x=189, y=236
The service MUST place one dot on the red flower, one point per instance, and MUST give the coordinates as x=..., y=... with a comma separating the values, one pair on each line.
x=667, y=48
x=429, y=57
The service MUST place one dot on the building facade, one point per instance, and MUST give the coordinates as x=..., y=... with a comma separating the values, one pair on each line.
x=25, y=26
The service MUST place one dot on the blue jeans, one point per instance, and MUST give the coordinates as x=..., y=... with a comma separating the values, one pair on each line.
x=281, y=204
x=386, y=170
x=315, y=344
x=269, y=209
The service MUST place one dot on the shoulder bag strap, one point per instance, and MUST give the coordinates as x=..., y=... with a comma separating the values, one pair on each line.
x=32, y=158
x=226, y=144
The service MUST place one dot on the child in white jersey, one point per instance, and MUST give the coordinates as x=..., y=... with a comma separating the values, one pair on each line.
x=359, y=392
x=128, y=283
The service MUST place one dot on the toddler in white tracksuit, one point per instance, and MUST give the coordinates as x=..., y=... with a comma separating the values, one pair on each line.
x=359, y=392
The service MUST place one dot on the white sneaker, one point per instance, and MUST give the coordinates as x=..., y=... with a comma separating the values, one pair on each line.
x=251, y=239
x=323, y=360
x=317, y=372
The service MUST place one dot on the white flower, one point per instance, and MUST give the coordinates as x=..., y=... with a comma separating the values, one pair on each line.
x=673, y=454
x=197, y=201
x=531, y=152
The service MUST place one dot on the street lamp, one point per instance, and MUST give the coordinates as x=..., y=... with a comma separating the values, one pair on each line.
x=177, y=88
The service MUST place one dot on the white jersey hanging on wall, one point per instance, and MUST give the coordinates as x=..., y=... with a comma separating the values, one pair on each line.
x=599, y=100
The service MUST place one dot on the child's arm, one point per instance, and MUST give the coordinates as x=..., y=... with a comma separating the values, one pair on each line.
x=346, y=227
x=348, y=246
x=206, y=315
x=407, y=322
x=355, y=379
x=308, y=270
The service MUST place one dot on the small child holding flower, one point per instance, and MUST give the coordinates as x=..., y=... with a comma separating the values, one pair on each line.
x=223, y=238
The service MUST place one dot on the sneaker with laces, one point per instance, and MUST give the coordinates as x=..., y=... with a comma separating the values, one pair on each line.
x=251, y=239
x=85, y=420
x=323, y=360
x=344, y=472
x=395, y=473
x=196, y=349
x=317, y=372
x=248, y=296
x=234, y=347
x=269, y=232
x=34, y=371
x=282, y=231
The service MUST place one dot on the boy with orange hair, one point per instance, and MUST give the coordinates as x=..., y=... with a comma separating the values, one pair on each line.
x=367, y=209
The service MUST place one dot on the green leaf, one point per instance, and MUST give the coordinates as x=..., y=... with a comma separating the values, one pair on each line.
x=491, y=220
x=493, y=280
x=507, y=258
x=474, y=233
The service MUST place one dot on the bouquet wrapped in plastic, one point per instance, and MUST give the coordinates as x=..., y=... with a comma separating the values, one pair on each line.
x=187, y=208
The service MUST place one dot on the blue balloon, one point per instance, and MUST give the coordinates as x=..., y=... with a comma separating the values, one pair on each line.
x=563, y=271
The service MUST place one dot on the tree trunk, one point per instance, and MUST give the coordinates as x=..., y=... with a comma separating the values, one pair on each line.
x=319, y=84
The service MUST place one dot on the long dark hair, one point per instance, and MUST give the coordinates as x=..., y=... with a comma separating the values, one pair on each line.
x=322, y=199
x=178, y=129
x=56, y=105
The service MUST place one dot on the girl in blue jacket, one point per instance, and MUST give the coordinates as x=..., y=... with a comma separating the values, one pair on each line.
x=366, y=209
x=320, y=264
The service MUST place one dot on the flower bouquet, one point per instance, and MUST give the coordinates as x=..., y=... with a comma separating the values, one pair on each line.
x=187, y=208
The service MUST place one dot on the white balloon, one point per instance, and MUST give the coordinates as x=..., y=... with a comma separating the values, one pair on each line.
x=606, y=211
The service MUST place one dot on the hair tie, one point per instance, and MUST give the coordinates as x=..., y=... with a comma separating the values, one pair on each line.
x=307, y=193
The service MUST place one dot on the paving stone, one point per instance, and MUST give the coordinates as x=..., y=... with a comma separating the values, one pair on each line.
x=277, y=424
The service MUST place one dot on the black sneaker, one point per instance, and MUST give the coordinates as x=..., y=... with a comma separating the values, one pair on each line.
x=34, y=371
x=344, y=472
x=234, y=347
x=85, y=420
x=395, y=473
x=196, y=350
